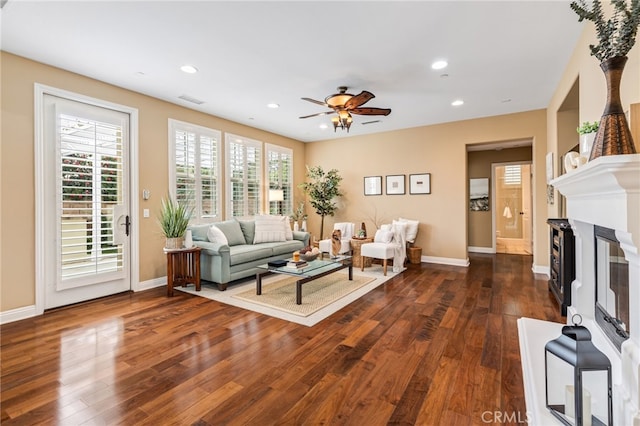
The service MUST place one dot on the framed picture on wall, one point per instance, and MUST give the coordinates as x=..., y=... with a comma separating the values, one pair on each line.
x=420, y=183
x=395, y=185
x=479, y=195
x=373, y=185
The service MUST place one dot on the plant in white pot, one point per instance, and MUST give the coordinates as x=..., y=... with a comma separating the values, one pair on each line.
x=174, y=219
x=587, y=132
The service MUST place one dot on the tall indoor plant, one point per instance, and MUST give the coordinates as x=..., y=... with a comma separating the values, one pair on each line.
x=322, y=188
x=174, y=219
x=616, y=37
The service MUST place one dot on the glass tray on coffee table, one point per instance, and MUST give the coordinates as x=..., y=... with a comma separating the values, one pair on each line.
x=315, y=269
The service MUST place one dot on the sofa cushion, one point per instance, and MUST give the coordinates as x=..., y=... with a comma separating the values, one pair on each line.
x=232, y=231
x=215, y=235
x=269, y=229
x=248, y=230
x=288, y=233
x=286, y=247
x=249, y=252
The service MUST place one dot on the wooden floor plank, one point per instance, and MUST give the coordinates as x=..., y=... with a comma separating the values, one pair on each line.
x=435, y=345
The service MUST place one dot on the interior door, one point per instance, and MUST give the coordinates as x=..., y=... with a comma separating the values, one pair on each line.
x=86, y=201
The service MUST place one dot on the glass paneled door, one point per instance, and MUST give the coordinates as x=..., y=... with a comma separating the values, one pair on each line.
x=85, y=202
x=512, y=212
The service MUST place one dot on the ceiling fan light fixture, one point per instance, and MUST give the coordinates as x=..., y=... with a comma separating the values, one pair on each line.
x=343, y=121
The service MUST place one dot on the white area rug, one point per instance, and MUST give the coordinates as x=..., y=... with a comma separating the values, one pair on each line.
x=210, y=291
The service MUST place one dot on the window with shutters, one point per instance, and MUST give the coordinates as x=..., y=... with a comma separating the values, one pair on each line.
x=244, y=176
x=280, y=176
x=512, y=175
x=194, y=153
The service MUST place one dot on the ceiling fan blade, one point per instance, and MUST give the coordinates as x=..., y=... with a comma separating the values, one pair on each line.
x=315, y=102
x=359, y=99
x=320, y=113
x=371, y=111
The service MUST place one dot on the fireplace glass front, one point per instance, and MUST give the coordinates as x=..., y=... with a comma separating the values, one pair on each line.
x=612, y=286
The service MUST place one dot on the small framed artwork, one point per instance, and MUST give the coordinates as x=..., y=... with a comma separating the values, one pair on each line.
x=395, y=185
x=420, y=183
x=479, y=195
x=373, y=185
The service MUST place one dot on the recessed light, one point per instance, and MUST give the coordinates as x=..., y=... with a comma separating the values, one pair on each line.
x=504, y=101
x=273, y=105
x=457, y=102
x=190, y=69
x=323, y=126
x=438, y=65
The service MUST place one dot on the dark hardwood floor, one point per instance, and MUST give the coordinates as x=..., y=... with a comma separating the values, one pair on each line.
x=436, y=345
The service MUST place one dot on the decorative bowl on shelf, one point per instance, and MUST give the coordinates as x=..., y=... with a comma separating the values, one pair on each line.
x=308, y=257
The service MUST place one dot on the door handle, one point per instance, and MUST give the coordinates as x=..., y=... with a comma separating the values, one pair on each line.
x=127, y=225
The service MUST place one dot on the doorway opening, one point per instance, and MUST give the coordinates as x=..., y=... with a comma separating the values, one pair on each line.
x=512, y=208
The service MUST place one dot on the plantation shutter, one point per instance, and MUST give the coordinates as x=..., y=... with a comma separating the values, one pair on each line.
x=90, y=178
x=280, y=176
x=244, y=170
x=196, y=169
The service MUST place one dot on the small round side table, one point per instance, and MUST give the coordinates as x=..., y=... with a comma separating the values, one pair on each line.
x=355, y=247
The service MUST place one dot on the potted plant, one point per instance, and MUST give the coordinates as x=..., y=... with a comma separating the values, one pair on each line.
x=587, y=132
x=322, y=188
x=616, y=37
x=174, y=219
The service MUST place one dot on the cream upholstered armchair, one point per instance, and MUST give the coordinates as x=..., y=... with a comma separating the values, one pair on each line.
x=348, y=230
x=390, y=242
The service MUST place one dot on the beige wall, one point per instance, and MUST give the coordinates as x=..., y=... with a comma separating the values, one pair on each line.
x=440, y=150
x=479, y=166
x=17, y=267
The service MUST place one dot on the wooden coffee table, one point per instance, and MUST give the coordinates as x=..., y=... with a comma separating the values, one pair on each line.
x=316, y=269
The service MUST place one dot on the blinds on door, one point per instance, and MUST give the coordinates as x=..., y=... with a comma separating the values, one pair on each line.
x=90, y=182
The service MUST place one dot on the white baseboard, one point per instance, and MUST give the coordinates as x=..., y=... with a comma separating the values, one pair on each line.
x=31, y=311
x=445, y=261
x=489, y=250
x=537, y=269
x=149, y=284
x=18, y=314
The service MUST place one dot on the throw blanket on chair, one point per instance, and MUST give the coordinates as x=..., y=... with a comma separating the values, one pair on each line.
x=400, y=250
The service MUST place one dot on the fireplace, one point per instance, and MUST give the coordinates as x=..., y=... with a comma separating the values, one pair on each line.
x=603, y=209
x=612, y=286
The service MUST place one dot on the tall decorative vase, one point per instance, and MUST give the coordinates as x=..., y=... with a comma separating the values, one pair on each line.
x=295, y=225
x=304, y=225
x=614, y=136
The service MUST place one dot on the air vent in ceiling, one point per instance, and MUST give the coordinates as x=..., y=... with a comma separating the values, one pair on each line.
x=371, y=122
x=191, y=99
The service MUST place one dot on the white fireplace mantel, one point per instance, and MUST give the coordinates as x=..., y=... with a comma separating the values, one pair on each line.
x=604, y=192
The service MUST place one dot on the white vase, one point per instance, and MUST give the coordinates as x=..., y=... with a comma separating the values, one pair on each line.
x=188, y=239
x=304, y=226
x=586, y=143
x=295, y=225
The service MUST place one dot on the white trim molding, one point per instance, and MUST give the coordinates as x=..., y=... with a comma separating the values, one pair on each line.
x=488, y=250
x=446, y=261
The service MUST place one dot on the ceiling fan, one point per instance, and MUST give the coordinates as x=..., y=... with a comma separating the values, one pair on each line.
x=344, y=104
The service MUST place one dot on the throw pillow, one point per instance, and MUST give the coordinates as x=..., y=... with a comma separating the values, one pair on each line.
x=288, y=233
x=269, y=229
x=248, y=230
x=383, y=236
x=412, y=228
x=232, y=231
x=215, y=235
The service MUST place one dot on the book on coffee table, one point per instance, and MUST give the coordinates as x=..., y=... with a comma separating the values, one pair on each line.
x=297, y=264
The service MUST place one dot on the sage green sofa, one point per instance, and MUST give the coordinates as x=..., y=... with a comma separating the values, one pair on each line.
x=239, y=258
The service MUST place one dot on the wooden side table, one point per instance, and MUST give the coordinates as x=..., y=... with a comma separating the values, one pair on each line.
x=355, y=246
x=183, y=267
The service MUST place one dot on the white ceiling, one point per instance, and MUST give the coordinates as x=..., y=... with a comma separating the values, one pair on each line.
x=504, y=56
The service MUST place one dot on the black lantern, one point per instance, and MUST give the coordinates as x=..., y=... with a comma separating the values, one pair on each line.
x=578, y=379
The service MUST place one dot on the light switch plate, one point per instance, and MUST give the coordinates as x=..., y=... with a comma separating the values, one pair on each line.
x=145, y=212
